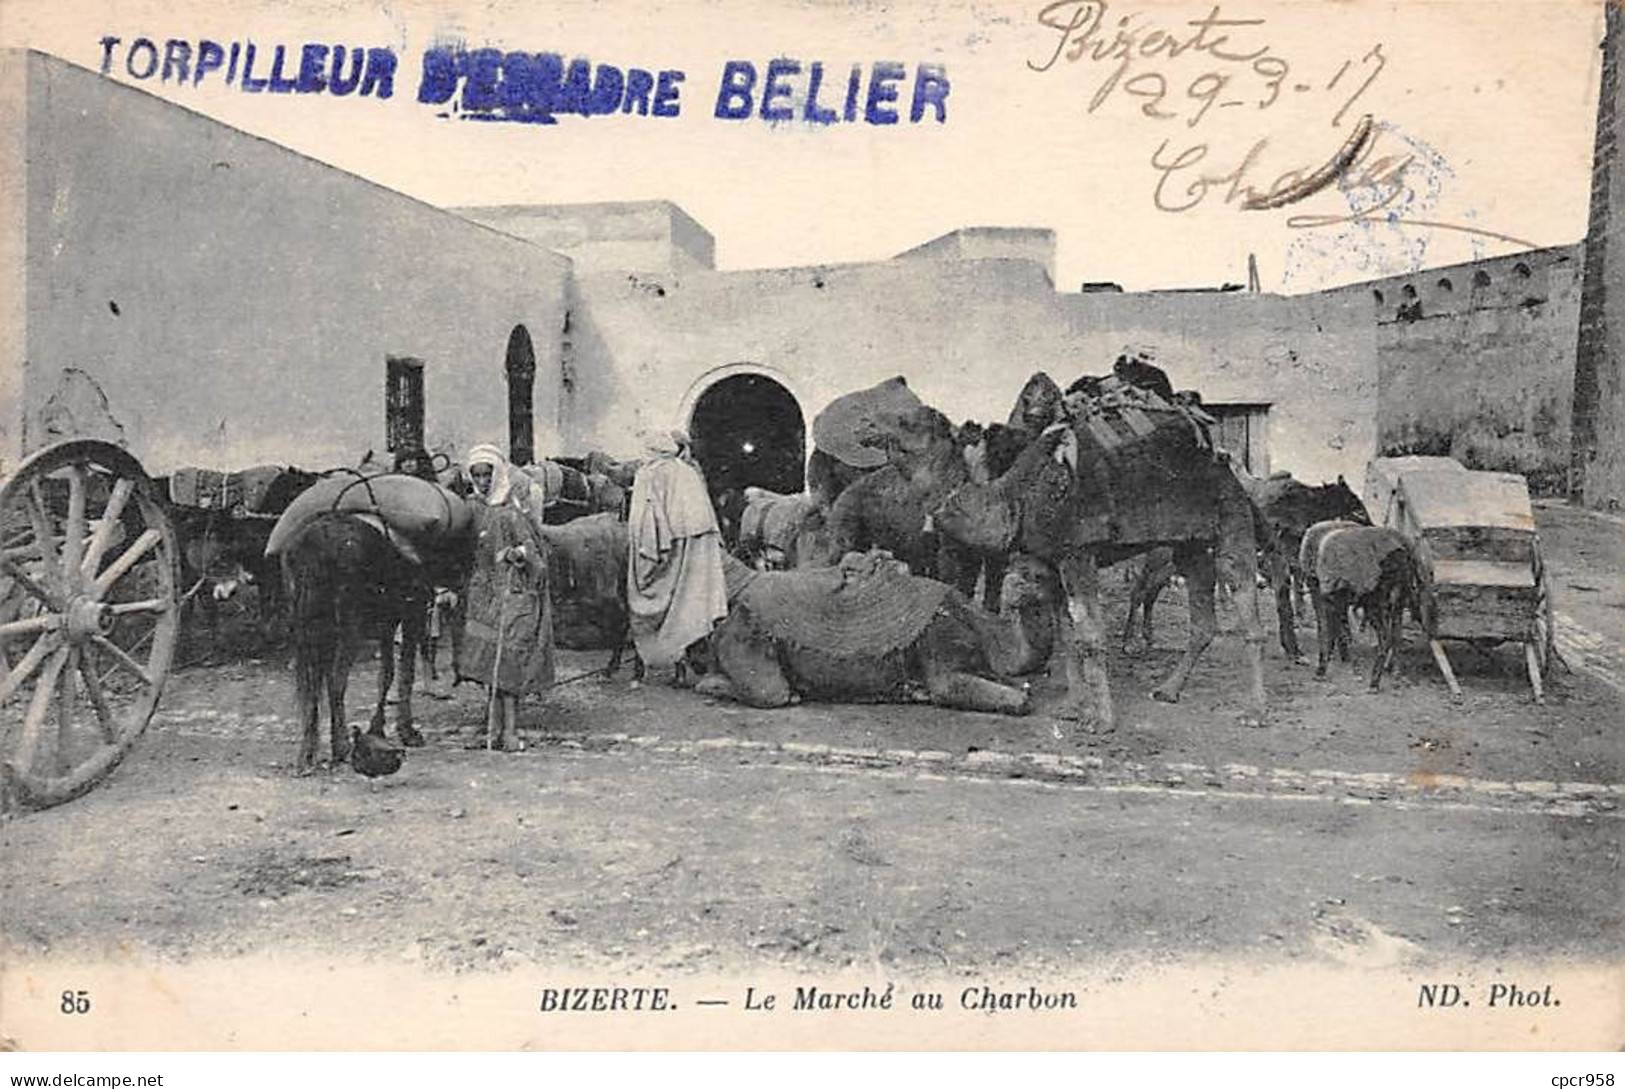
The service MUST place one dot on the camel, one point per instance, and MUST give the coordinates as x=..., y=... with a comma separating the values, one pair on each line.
x=890, y=509
x=1086, y=495
x=865, y=631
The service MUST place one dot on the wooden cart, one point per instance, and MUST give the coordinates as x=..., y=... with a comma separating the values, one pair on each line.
x=89, y=614
x=1483, y=579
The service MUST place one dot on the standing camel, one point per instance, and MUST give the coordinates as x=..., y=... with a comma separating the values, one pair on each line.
x=1080, y=503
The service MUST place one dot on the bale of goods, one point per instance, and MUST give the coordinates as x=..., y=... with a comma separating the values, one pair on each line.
x=840, y=428
x=209, y=489
x=549, y=477
x=424, y=513
x=1147, y=469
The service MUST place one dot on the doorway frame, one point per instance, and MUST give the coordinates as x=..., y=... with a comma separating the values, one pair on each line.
x=696, y=390
x=1258, y=416
x=519, y=383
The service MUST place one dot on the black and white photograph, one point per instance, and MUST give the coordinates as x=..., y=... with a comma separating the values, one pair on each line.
x=1082, y=525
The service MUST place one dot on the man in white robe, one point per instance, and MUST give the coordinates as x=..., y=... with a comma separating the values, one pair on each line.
x=674, y=587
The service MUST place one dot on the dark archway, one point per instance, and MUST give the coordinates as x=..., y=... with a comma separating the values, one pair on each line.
x=748, y=430
x=519, y=367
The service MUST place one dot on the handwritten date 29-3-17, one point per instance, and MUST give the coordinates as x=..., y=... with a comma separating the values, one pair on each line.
x=1241, y=74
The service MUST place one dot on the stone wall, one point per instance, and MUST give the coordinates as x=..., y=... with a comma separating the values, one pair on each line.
x=215, y=299
x=624, y=236
x=1599, y=380
x=1476, y=361
x=966, y=334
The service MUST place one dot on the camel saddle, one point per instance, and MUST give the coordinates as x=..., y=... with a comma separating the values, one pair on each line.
x=1137, y=469
x=867, y=606
x=840, y=428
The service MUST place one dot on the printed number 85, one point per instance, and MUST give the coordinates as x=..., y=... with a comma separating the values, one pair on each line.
x=75, y=1002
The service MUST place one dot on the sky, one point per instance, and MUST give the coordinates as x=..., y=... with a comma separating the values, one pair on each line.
x=1140, y=153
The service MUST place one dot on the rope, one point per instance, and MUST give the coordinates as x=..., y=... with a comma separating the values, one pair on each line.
x=601, y=670
x=364, y=480
x=361, y=479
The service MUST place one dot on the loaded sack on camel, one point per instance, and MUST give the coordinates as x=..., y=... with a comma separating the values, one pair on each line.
x=1133, y=467
x=568, y=492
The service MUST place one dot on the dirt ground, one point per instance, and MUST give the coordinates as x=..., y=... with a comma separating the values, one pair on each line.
x=648, y=828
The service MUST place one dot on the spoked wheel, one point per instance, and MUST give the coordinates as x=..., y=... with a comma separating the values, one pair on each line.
x=88, y=618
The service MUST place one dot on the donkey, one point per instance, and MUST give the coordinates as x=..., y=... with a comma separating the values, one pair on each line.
x=345, y=582
x=1283, y=510
x=1372, y=568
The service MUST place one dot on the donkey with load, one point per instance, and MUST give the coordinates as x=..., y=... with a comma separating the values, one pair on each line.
x=361, y=556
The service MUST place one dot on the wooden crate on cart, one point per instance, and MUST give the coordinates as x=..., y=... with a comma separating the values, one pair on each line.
x=1382, y=482
x=1483, y=579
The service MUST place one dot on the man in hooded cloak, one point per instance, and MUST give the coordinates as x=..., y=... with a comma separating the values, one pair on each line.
x=675, y=588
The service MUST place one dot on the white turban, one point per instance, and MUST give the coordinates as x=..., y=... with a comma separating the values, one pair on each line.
x=501, y=472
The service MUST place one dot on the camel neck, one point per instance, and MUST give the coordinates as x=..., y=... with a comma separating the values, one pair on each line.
x=942, y=464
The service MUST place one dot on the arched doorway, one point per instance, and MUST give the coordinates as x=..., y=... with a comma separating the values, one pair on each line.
x=519, y=367
x=748, y=430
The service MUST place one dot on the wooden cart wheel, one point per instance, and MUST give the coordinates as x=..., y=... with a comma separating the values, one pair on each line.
x=88, y=618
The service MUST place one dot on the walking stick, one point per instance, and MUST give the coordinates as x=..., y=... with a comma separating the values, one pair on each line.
x=496, y=661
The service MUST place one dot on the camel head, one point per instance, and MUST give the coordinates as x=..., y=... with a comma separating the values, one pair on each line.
x=814, y=541
x=1030, y=581
x=1038, y=405
x=913, y=437
x=909, y=438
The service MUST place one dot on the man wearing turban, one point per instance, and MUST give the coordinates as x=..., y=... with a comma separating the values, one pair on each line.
x=508, y=638
x=675, y=589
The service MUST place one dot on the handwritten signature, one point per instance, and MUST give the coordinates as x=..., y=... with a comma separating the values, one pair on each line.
x=1294, y=185
x=1238, y=68
x=1354, y=168
x=1081, y=36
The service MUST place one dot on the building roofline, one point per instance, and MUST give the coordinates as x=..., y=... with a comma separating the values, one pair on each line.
x=581, y=205
x=1571, y=248
x=984, y=230
x=52, y=58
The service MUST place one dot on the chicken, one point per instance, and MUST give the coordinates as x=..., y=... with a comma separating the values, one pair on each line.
x=374, y=756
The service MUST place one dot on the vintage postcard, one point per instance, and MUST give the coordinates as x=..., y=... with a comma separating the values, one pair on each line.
x=802, y=524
